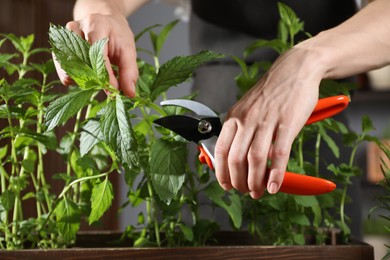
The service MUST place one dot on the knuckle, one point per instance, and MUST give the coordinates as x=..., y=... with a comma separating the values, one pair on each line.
x=236, y=158
x=280, y=152
x=256, y=156
x=221, y=150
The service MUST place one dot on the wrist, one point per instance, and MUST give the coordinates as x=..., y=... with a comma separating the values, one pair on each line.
x=84, y=8
x=313, y=58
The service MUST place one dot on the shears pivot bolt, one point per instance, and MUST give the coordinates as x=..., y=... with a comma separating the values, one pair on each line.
x=204, y=127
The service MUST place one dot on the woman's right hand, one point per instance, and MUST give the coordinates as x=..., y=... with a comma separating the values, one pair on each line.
x=120, y=49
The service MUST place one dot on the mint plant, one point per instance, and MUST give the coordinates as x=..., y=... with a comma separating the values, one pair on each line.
x=287, y=219
x=123, y=130
x=384, y=197
x=105, y=137
x=24, y=144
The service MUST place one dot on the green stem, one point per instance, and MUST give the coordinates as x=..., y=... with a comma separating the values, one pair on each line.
x=156, y=63
x=345, y=189
x=66, y=189
x=152, y=105
x=152, y=213
x=40, y=168
x=14, y=159
x=36, y=187
x=300, y=151
x=317, y=155
x=4, y=214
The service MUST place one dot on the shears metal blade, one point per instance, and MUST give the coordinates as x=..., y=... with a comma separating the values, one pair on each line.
x=205, y=125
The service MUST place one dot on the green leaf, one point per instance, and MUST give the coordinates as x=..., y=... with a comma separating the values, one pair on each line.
x=68, y=219
x=288, y=17
x=63, y=108
x=118, y=132
x=299, y=218
x=367, y=125
x=299, y=239
x=72, y=53
x=232, y=204
x=276, y=44
x=147, y=29
x=277, y=201
x=22, y=44
x=306, y=201
x=7, y=199
x=168, y=166
x=187, y=232
x=90, y=136
x=178, y=70
x=159, y=40
x=3, y=151
x=101, y=199
x=97, y=59
x=329, y=141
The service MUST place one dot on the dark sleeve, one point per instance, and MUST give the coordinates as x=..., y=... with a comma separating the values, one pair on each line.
x=260, y=18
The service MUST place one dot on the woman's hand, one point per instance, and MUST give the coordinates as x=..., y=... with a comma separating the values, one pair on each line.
x=120, y=49
x=264, y=123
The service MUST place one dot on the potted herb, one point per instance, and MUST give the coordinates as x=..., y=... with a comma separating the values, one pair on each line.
x=117, y=136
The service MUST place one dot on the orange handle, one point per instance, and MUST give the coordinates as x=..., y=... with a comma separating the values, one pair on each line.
x=299, y=184
x=204, y=158
x=327, y=107
x=293, y=183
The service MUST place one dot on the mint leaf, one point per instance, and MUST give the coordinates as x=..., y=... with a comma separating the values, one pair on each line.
x=168, y=162
x=68, y=219
x=22, y=44
x=277, y=45
x=159, y=40
x=7, y=199
x=290, y=19
x=97, y=60
x=231, y=203
x=178, y=70
x=118, y=132
x=329, y=141
x=306, y=201
x=72, y=53
x=101, y=199
x=90, y=136
x=63, y=108
x=299, y=218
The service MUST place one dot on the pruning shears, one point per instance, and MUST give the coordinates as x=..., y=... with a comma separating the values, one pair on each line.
x=204, y=127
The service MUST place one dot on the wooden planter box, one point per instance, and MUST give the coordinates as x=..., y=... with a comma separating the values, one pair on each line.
x=234, y=245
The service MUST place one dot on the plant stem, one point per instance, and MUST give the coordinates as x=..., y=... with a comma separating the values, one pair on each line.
x=156, y=63
x=345, y=189
x=300, y=151
x=40, y=169
x=317, y=155
x=66, y=189
x=152, y=213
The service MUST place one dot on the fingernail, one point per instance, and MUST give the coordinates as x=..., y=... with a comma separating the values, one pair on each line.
x=273, y=187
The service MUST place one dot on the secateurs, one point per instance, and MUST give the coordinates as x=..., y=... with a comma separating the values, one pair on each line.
x=204, y=127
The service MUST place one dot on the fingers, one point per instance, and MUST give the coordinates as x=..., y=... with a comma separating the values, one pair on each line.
x=241, y=158
x=279, y=154
x=119, y=51
x=128, y=71
x=258, y=160
x=222, y=152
